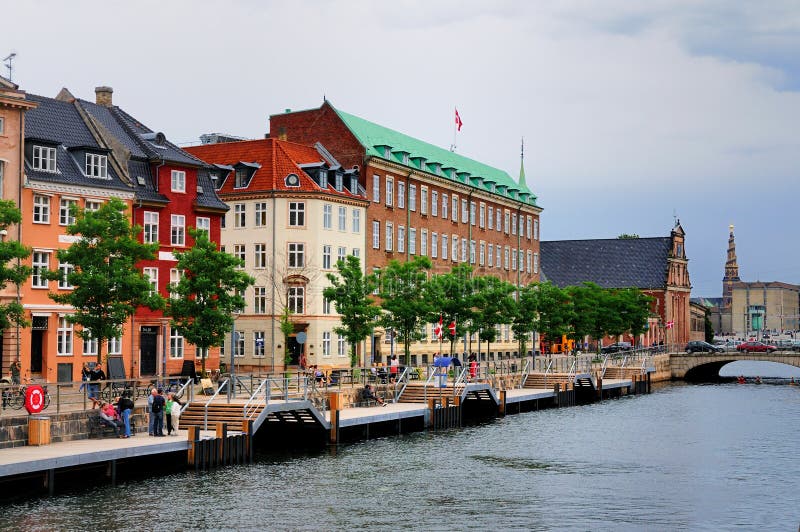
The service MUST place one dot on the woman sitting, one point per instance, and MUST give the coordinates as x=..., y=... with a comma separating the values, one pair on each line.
x=108, y=416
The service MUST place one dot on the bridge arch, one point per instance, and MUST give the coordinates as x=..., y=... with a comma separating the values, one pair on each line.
x=704, y=367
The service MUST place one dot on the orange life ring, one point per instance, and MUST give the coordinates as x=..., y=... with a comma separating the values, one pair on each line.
x=34, y=399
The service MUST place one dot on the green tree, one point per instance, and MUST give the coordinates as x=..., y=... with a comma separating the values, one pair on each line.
x=404, y=302
x=709, y=327
x=207, y=294
x=626, y=236
x=287, y=328
x=351, y=291
x=543, y=307
x=493, y=305
x=634, y=307
x=108, y=287
x=451, y=296
x=587, y=317
x=12, y=313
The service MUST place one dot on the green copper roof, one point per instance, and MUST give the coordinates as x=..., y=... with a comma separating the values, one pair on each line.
x=407, y=150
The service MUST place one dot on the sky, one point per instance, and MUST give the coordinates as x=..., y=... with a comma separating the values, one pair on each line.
x=634, y=114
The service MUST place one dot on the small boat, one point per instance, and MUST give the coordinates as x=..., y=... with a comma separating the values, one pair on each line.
x=740, y=379
x=758, y=380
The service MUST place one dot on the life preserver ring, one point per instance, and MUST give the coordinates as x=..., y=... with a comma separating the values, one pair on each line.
x=34, y=399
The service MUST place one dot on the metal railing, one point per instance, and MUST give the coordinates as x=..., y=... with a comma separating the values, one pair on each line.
x=251, y=406
x=402, y=382
x=525, y=372
x=223, y=384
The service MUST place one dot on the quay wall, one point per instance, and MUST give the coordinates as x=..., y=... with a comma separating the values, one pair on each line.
x=63, y=427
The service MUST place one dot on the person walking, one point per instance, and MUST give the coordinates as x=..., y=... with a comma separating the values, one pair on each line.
x=394, y=365
x=15, y=370
x=157, y=409
x=86, y=373
x=151, y=415
x=97, y=374
x=173, y=411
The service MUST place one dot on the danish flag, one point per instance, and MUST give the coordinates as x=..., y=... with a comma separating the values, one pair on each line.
x=670, y=324
x=437, y=330
x=452, y=328
x=459, y=123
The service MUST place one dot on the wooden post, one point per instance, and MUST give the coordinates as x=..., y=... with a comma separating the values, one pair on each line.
x=557, y=392
x=599, y=387
x=334, y=400
x=190, y=456
x=222, y=434
x=648, y=382
x=502, y=406
x=432, y=411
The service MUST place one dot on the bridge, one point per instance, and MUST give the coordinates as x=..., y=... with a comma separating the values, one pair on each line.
x=706, y=366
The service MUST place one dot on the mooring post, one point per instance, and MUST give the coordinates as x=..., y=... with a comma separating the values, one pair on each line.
x=334, y=399
x=502, y=406
x=648, y=382
x=222, y=433
x=557, y=392
x=190, y=456
x=431, y=411
x=599, y=387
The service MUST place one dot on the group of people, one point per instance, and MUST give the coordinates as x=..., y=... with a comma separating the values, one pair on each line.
x=159, y=406
x=117, y=415
x=91, y=378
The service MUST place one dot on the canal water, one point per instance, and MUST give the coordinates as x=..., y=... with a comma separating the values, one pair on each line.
x=686, y=457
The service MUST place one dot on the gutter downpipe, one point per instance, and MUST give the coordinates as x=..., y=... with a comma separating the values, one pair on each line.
x=272, y=310
x=519, y=270
x=163, y=317
x=367, y=159
x=469, y=261
x=19, y=225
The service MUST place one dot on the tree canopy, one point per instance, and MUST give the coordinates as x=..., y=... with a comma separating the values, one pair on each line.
x=11, y=313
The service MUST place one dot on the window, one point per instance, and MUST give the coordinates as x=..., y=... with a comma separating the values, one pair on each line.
x=491, y=217
x=505, y=258
x=96, y=165
x=259, y=349
x=297, y=255
x=529, y=228
x=412, y=197
x=152, y=278
x=401, y=195
x=64, y=344
x=498, y=262
x=326, y=257
x=150, y=233
x=529, y=256
x=521, y=263
x=204, y=225
x=327, y=216
x=472, y=252
x=506, y=222
x=40, y=264
x=341, y=345
x=412, y=241
x=536, y=229
x=535, y=263
x=89, y=346
x=423, y=244
x=377, y=273
x=454, y=248
x=342, y=218
x=338, y=181
x=356, y=220
x=326, y=343
x=65, y=216
x=513, y=224
x=454, y=208
x=521, y=225
x=323, y=178
x=178, y=181
x=115, y=346
x=296, y=299
x=297, y=214
x=356, y=252
x=178, y=231
x=93, y=206
x=434, y=203
x=401, y=239
x=175, y=343
x=65, y=269
x=463, y=250
x=423, y=200
x=498, y=224
x=482, y=255
x=1, y=171
x=376, y=235
x=434, y=245
x=514, y=259
x=389, y=236
x=2, y=125
x=238, y=344
x=464, y=211
x=341, y=253
x=260, y=256
x=239, y=215
x=326, y=305
x=240, y=253
x=241, y=178
x=490, y=256
x=41, y=209
x=260, y=299
x=472, y=213
x=174, y=279
x=354, y=185
x=376, y=188
x=444, y=206
x=482, y=216
x=261, y=214
x=44, y=158
x=389, y=191
x=444, y=247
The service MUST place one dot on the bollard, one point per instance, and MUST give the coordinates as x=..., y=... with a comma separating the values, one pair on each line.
x=334, y=400
x=502, y=406
x=190, y=456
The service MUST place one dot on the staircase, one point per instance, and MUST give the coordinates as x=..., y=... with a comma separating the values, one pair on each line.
x=615, y=372
x=416, y=393
x=546, y=381
x=232, y=414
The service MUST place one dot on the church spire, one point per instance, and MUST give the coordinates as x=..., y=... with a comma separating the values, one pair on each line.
x=731, y=271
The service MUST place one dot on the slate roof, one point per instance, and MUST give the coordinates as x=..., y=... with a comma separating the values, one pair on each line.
x=58, y=123
x=610, y=263
x=374, y=136
x=277, y=159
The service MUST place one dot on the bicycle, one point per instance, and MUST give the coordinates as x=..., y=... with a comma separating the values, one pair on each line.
x=16, y=398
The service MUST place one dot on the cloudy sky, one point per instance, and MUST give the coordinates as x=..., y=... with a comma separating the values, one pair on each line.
x=633, y=113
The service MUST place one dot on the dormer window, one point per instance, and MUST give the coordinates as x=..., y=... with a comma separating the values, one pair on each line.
x=323, y=178
x=292, y=180
x=387, y=151
x=338, y=181
x=215, y=181
x=354, y=184
x=242, y=177
x=97, y=165
x=178, y=181
x=404, y=158
x=44, y=158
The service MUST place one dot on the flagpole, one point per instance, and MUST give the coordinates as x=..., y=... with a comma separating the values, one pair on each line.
x=453, y=145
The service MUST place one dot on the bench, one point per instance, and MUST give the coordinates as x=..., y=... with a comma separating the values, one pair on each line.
x=99, y=429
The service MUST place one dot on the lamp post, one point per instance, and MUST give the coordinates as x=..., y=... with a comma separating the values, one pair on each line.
x=164, y=323
x=234, y=344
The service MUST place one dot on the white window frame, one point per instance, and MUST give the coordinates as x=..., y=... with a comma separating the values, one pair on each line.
x=356, y=221
x=463, y=249
x=342, y=218
x=96, y=165
x=482, y=215
x=434, y=203
x=514, y=259
x=175, y=276
x=259, y=299
x=44, y=159
x=326, y=344
x=401, y=239
x=464, y=211
x=376, y=188
x=389, y=191
x=93, y=205
x=261, y=214
x=297, y=214
x=65, y=337
x=376, y=234
x=401, y=194
x=423, y=200
x=178, y=181
x=65, y=216
x=240, y=252
x=177, y=232
x=412, y=197
x=535, y=263
x=259, y=255
x=341, y=253
x=327, y=216
x=41, y=209
x=239, y=215
x=499, y=218
x=490, y=225
x=65, y=269
x=295, y=298
x=513, y=223
x=482, y=254
x=203, y=223
x=296, y=254
x=445, y=252
x=454, y=248
x=412, y=241
x=454, y=208
x=40, y=262
x=445, y=206
x=341, y=344
x=151, y=273
x=327, y=252
x=114, y=346
x=259, y=344
x=176, y=344
x=89, y=345
x=423, y=243
x=434, y=245
x=529, y=226
x=150, y=230
x=536, y=229
x=389, y=236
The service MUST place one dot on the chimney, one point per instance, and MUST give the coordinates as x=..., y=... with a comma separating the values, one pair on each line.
x=103, y=96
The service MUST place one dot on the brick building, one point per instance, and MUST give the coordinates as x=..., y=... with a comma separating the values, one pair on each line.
x=426, y=200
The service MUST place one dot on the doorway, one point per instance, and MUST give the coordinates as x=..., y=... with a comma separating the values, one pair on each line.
x=295, y=351
x=37, y=350
x=148, y=349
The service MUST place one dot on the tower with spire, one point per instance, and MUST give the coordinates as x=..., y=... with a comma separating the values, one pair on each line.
x=731, y=273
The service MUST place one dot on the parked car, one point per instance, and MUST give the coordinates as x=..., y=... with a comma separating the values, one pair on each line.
x=616, y=347
x=788, y=345
x=756, y=347
x=703, y=347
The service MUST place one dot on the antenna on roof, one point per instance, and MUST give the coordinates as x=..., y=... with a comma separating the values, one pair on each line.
x=9, y=60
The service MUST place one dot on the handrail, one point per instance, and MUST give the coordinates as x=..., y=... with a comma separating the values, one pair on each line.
x=222, y=385
x=403, y=379
x=246, y=414
x=572, y=370
x=460, y=379
x=525, y=373
x=180, y=393
x=604, y=366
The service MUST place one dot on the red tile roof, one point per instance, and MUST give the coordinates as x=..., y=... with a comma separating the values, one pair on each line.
x=278, y=158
